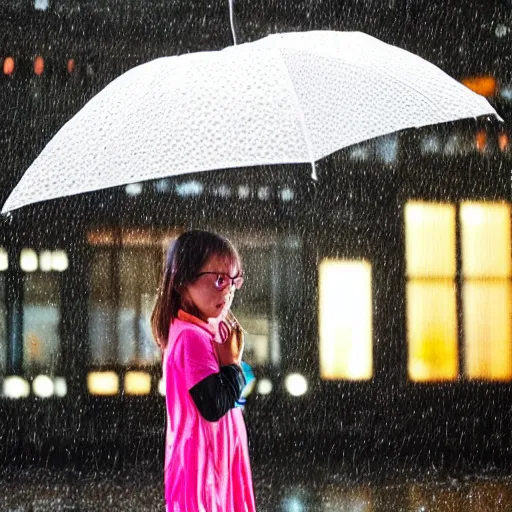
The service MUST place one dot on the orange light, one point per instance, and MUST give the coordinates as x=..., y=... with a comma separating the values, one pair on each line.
x=503, y=141
x=71, y=66
x=481, y=140
x=8, y=66
x=39, y=65
x=484, y=85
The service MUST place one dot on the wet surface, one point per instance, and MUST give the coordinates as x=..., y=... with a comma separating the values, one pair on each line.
x=287, y=488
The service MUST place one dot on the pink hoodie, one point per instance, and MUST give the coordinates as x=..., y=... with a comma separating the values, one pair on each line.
x=207, y=465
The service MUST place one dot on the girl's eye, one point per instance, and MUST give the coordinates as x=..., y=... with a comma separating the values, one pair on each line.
x=221, y=281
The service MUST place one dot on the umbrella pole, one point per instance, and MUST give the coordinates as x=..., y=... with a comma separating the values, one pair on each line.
x=231, y=21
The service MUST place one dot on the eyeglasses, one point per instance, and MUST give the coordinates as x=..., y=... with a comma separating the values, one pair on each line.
x=222, y=281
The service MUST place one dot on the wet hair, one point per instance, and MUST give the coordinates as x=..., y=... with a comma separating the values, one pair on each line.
x=186, y=257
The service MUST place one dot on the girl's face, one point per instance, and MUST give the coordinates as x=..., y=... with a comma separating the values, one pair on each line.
x=213, y=291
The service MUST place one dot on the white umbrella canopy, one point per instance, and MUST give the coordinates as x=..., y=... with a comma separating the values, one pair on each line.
x=287, y=98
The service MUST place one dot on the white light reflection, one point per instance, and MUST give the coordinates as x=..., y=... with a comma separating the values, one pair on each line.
x=264, y=387
x=60, y=386
x=16, y=387
x=133, y=189
x=43, y=386
x=28, y=260
x=296, y=384
x=4, y=260
x=189, y=189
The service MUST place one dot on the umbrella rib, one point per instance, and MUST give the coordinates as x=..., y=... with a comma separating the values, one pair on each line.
x=302, y=120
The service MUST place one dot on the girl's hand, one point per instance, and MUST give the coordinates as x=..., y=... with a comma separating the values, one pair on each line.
x=231, y=348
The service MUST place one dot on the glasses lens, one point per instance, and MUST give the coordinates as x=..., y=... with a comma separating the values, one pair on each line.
x=221, y=281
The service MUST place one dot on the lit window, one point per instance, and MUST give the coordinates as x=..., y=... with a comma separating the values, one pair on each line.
x=59, y=261
x=481, y=140
x=264, y=386
x=287, y=194
x=430, y=144
x=16, y=387
x=137, y=383
x=28, y=260
x=39, y=65
x=503, y=141
x=296, y=384
x=431, y=302
x=263, y=193
x=4, y=260
x=45, y=261
x=60, y=386
x=387, y=149
x=487, y=290
x=222, y=191
x=43, y=386
x=345, y=314
x=189, y=189
x=71, y=66
x=133, y=189
x=41, y=323
x=40, y=5
x=8, y=66
x=103, y=383
x=244, y=192
x=161, y=387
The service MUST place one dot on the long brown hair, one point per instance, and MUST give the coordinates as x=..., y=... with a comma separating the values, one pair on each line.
x=185, y=258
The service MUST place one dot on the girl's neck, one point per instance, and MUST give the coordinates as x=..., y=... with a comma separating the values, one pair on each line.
x=188, y=317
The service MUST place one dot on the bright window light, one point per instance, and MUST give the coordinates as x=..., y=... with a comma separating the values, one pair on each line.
x=137, y=383
x=8, y=67
x=345, y=316
x=287, y=194
x=161, y=387
x=60, y=386
x=488, y=329
x=487, y=290
x=41, y=5
x=45, y=261
x=486, y=240
x=133, y=189
x=243, y=192
x=264, y=387
x=39, y=65
x=296, y=384
x=432, y=330
x=189, y=189
x=4, y=260
x=28, y=260
x=430, y=239
x=222, y=191
x=60, y=261
x=264, y=193
x=16, y=387
x=43, y=386
x=103, y=383
x=430, y=294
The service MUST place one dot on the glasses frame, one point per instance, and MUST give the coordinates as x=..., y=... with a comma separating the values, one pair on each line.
x=237, y=284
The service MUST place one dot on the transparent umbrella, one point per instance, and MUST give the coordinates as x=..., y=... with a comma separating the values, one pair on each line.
x=287, y=98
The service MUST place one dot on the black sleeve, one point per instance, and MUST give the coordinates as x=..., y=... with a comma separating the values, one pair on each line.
x=216, y=395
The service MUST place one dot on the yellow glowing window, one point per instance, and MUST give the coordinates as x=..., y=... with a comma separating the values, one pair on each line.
x=487, y=290
x=431, y=293
x=103, y=383
x=345, y=316
x=137, y=383
x=432, y=330
x=430, y=239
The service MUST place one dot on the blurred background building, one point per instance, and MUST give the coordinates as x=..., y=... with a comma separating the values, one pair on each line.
x=378, y=301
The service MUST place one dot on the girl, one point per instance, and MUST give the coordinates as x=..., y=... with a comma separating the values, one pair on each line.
x=206, y=454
